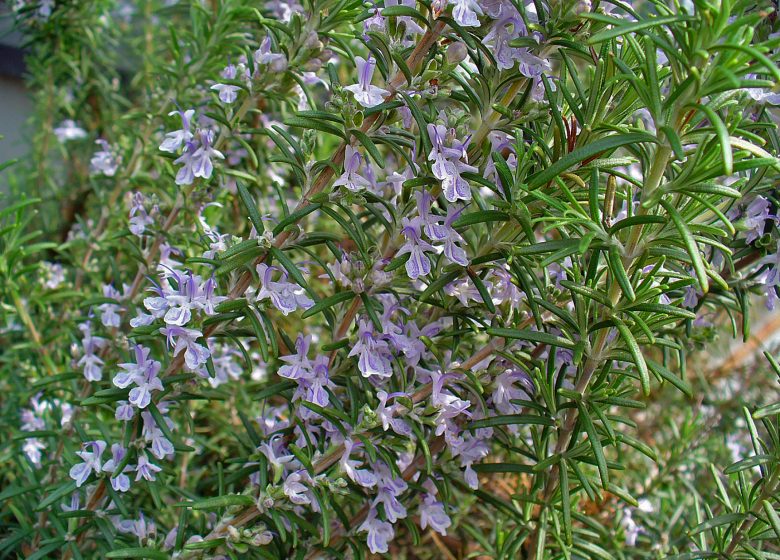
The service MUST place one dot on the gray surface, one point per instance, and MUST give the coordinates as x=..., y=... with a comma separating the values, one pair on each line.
x=15, y=108
x=15, y=102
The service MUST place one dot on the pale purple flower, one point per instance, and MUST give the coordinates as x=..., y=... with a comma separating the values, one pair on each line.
x=313, y=388
x=770, y=278
x=418, y=263
x=139, y=218
x=446, y=233
x=449, y=162
x=201, y=159
x=762, y=95
x=161, y=446
x=176, y=139
x=140, y=527
x=449, y=406
x=141, y=395
x=502, y=290
x=197, y=161
x=691, y=297
x=109, y=315
x=32, y=448
x=133, y=370
x=74, y=503
x=277, y=456
x=69, y=130
x=630, y=528
x=285, y=296
x=412, y=27
x=363, y=477
x=170, y=539
x=104, y=161
x=380, y=533
x=512, y=384
x=464, y=290
x=365, y=93
x=284, y=10
x=185, y=340
x=432, y=515
x=387, y=414
x=501, y=33
x=298, y=364
x=466, y=12
x=192, y=294
x=277, y=62
x=294, y=488
x=470, y=449
x=124, y=411
x=119, y=481
x=91, y=462
x=227, y=93
x=226, y=366
x=54, y=275
x=389, y=488
x=530, y=65
x=351, y=178
x=145, y=469
x=375, y=23
x=755, y=218
x=90, y=361
x=373, y=352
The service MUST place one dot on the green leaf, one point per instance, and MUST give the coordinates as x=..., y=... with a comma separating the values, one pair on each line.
x=690, y=245
x=480, y=217
x=669, y=376
x=595, y=443
x=315, y=124
x=749, y=463
x=512, y=420
x=138, y=552
x=718, y=521
x=401, y=11
x=771, y=514
x=620, y=27
x=503, y=468
x=369, y=146
x=587, y=292
x=619, y=273
x=328, y=302
x=293, y=271
x=56, y=495
x=723, y=137
x=295, y=217
x=439, y=283
x=585, y=152
x=547, y=247
x=636, y=353
x=532, y=336
x=482, y=289
x=220, y=502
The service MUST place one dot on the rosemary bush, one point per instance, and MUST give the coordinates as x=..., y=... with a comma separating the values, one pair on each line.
x=445, y=279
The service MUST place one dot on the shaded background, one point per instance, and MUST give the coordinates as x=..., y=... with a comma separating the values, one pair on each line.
x=15, y=102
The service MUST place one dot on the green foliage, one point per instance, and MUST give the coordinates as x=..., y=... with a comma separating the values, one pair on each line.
x=618, y=196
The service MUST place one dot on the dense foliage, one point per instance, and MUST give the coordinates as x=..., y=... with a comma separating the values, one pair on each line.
x=426, y=279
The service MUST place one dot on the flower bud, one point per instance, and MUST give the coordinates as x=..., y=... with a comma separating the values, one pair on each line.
x=233, y=533
x=456, y=53
x=313, y=65
x=582, y=7
x=279, y=65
